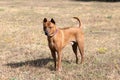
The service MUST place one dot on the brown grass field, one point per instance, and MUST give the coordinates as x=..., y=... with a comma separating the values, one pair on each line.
x=24, y=53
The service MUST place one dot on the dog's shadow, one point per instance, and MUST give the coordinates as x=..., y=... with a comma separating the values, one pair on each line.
x=35, y=63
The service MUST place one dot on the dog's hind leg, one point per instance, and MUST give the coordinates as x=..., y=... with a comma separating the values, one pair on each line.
x=81, y=49
x=74, y=47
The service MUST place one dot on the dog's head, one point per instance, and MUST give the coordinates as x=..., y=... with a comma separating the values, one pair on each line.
x=49, y=27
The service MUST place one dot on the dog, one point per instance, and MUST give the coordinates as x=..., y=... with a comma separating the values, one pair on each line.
x=58, y=38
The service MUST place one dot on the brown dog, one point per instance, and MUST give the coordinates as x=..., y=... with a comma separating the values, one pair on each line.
x=59, y=37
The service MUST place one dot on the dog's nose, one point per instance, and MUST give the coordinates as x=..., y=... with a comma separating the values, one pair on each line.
x=46, y=32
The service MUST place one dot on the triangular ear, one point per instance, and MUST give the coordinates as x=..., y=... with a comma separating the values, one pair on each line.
x=52, y=20
x=45, y=20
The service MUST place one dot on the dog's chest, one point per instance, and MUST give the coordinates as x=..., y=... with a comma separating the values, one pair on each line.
x=51, y=43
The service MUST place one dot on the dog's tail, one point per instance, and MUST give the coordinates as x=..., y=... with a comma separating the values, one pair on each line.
x=78, y=20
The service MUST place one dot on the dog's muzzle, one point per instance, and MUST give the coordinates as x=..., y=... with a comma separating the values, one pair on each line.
x=46, y=33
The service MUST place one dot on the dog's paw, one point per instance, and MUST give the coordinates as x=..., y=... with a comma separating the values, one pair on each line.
x=59, y=69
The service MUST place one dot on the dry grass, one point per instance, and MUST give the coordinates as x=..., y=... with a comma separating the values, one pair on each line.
x=24, y=54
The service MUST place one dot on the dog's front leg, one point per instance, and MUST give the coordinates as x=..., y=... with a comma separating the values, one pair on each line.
x=59, y=67
x=54, y=57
